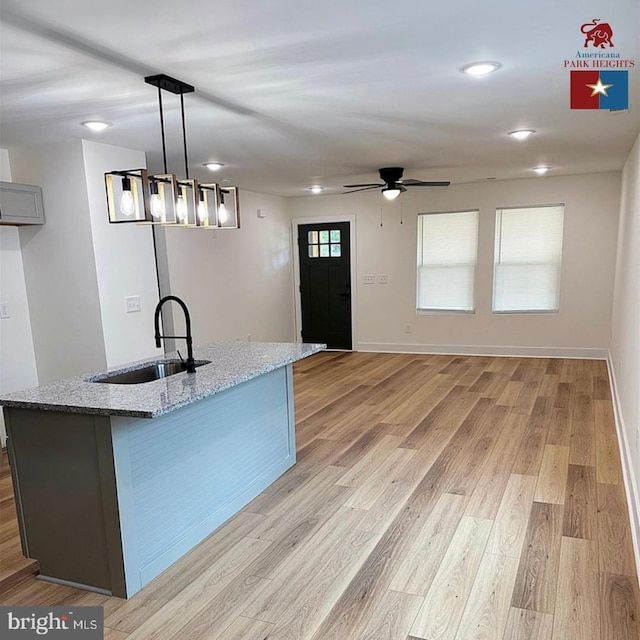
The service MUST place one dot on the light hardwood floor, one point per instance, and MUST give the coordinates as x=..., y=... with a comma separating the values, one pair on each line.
x=435, y=497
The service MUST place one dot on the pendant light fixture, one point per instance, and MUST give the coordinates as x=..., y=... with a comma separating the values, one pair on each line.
x=134, y=196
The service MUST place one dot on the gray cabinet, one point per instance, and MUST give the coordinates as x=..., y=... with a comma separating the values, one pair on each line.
x=20, y=204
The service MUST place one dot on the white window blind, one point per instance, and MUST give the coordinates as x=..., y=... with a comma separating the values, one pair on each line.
x=447, y=252
x=528, y=258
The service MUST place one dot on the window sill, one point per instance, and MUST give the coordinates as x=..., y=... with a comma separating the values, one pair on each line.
x=444, y=312
x=527, y=313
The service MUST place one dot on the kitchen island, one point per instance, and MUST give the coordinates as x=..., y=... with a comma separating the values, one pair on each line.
x=115, y=482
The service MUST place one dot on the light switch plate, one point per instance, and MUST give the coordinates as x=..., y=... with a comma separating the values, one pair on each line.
x=4, y=310
x=132, y=304
x=368, y=279
x=383, y=279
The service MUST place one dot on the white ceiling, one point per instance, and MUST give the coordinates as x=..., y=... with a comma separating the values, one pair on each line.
x=292, y=93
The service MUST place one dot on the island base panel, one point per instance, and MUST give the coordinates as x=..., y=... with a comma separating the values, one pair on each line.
x=65, y=496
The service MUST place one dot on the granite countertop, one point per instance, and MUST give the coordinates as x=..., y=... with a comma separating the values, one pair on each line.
x=231, y=364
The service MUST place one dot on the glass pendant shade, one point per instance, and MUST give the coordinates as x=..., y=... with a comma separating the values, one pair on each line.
x=128, y=196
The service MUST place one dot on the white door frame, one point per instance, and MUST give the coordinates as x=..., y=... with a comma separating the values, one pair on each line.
x=295, y=223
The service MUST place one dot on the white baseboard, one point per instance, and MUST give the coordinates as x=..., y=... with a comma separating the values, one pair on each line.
x=484, y=350
x=631, y=487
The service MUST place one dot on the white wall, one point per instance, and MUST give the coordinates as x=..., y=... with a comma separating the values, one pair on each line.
x=236, y=283
x=625, y=338
x=581, y=328
x=17, y=358
x=59, y=264
x=124, y=259
x=79, y=268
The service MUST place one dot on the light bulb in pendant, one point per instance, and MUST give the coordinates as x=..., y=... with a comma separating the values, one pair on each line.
x=223, y=214
x=202, y=209
x=127, y=205
x=181, y=209
x=156, y=203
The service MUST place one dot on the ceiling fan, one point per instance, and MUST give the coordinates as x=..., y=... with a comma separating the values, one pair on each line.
x=393, y=184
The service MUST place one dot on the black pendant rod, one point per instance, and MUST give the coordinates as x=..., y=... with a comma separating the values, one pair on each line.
x=184, y=137
x=164, y=144
x=167, y=83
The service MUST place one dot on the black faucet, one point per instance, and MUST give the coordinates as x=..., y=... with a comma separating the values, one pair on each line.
x=189, y=364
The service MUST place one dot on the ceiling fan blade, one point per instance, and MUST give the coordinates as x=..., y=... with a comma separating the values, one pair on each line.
x=422, y=183
x=366, y=184
x=373, y=186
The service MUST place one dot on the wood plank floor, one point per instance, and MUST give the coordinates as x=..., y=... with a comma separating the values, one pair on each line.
x=435, y=497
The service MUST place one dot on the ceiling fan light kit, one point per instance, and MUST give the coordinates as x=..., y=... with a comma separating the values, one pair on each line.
x=391, y=194
x=135, y=196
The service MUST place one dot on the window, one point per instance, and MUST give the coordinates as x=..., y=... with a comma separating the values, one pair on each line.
x=324, y=244
x=447, y=251
x=528, y=256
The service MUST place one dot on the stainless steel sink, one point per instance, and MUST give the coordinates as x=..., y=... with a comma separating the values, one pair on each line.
x=149, y=373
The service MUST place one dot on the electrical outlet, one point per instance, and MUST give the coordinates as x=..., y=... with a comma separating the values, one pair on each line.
x=4, y=310
x=383, y=279
x=368, y=279
x=407, y=328
x=132, y=304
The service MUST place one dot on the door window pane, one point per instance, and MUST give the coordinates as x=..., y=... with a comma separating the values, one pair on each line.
x=313, y=237
x=335, y=250
x=324, y=250
x=335, y=235
x=324, y=237
x=313, y=250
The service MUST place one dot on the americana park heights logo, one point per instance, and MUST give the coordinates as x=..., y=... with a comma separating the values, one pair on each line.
x=599, y=75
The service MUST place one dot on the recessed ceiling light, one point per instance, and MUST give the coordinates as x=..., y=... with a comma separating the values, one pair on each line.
x=213, y=166
x=541, y=170
x=316, y=188
x=521, y=134
x=480, y=68
x=96, y=125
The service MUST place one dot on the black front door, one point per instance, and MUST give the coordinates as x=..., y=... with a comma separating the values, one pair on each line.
x=325, y=283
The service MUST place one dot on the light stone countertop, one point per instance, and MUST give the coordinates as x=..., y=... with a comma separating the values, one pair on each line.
x=232, y=363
